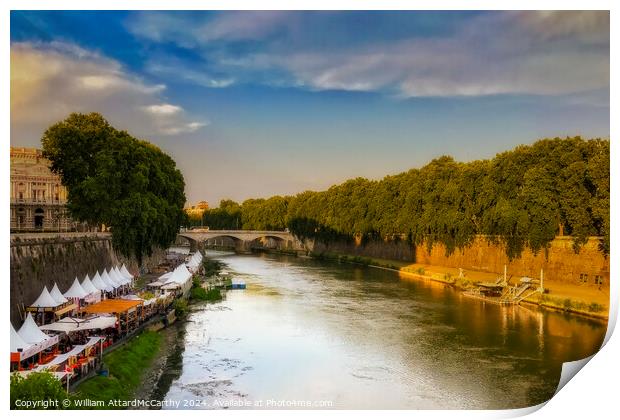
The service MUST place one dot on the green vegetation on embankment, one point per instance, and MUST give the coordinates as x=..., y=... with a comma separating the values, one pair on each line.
x=518, y=198
x=41, y=387
x=575, y=305
x=198, y=293
x=126, y=365
x=211, y=267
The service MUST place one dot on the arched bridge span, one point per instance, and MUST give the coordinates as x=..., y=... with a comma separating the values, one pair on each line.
x=243, y=238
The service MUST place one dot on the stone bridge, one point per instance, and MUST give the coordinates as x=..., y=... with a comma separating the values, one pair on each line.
x=243, y=239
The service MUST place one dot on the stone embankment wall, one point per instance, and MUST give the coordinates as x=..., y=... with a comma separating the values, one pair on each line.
x=39, y=260
x=399, y=250
x=559, y=262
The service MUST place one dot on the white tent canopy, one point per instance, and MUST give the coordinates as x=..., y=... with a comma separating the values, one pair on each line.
x=184, y=274
x=180, y=275
x=156, y=283
x=194, y=261
x=121, y=275
x=45, y=300
x=73, y=352
x=178, y=279
x=88, y=286
x=126, y=273
x=115, y=278
x=17, y=342
x=124, y=279
x=58, y=297
x=18, y=345
x=105, y=279
x=171, y=286
x=171, y=278
x=108, y=279
x=100, y=284
x=165, y=275
x=30, y=332
x=112, y=276
x=75, y=291
x=69, y=324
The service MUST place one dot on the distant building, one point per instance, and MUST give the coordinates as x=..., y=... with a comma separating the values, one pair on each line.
x=198, y=209
x=196, y=212
x=38, y=199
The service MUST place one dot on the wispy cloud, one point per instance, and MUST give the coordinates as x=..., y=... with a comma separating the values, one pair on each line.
x=163, y=109
x=194, y=30
x=172, y=67
x=50, y=80
x=543, y=53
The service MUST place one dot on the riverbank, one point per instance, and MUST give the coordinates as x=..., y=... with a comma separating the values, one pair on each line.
x=154, y=375
x=584, y=300
x=126, y=367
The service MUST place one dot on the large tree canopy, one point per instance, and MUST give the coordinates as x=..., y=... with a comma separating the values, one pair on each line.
x=518, y=198
x=118, y=180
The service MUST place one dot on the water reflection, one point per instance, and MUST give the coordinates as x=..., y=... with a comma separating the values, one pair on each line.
x=362, y=338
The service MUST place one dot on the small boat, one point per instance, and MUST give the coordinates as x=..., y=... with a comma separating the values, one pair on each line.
x=501, y=293
x=237, y=285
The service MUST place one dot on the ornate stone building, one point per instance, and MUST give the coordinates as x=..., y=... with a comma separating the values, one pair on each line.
x=38, y=199
x=198, y=209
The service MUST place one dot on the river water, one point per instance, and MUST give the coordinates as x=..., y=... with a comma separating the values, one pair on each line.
x=312, y=334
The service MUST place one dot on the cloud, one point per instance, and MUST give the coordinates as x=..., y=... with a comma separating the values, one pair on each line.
x=531, y=53
x=51, y=80
x=189, y=72
x=188, y=30
x=163, y=109
x=184, y=128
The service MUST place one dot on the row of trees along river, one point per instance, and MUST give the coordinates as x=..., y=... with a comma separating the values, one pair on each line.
x=519, y=197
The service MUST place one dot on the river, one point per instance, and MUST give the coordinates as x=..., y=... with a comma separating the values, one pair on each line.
x=313, y=334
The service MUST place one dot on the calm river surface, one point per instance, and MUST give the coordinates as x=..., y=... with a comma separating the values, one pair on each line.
x=344, y=336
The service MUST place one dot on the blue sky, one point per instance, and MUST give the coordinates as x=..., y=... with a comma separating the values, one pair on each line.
x=252, y=104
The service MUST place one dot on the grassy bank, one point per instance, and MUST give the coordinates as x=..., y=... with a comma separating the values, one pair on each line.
x=561, y=304
x=126, y=365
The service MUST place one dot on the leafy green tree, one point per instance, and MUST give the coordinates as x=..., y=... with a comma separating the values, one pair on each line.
x=115, y=179
x=38, y=386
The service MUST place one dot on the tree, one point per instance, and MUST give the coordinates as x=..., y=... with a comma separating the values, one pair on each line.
x=115, y=179
x=38, y=386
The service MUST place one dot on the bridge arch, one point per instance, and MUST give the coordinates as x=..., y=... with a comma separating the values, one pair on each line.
x=224, y=240
x=242, y=239
x=271, y=242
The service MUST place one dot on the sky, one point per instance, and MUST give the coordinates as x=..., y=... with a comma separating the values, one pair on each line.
x=254, y=104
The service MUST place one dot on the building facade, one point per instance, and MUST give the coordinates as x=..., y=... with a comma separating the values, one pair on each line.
x=195, y=212
x=38, y=199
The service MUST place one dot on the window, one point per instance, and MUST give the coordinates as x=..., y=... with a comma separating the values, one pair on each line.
x=598, y=279
x=583, y=278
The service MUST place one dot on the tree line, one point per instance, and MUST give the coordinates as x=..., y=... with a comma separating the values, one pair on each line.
x=520, y=198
